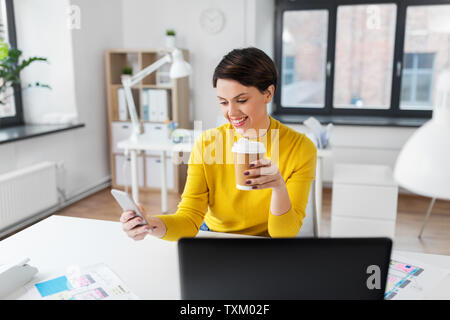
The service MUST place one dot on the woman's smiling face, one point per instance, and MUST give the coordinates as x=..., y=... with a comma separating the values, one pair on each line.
x=244, y=107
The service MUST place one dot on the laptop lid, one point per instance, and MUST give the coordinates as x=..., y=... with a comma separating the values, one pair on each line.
x=291, y=268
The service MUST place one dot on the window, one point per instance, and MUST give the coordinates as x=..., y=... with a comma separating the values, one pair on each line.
x=361, y=57
x=426, y=53
x=11, y=102
x=365, y=36
x=304, y=40
x=417, y=80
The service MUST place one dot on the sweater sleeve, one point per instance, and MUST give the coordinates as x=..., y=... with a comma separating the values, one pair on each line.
x=298, y=185
x=194, y=200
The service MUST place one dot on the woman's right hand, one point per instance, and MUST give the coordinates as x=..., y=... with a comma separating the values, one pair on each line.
x=131, y=225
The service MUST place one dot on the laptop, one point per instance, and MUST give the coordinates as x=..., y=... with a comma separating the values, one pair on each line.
x=283, y=268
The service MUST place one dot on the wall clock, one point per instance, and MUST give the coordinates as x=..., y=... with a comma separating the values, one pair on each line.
x=212, y=20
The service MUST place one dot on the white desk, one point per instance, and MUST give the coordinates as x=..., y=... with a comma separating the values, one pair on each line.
x=146, y=142
x=149, y=267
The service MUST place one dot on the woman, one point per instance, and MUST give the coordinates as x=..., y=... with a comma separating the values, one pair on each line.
x=245, y=80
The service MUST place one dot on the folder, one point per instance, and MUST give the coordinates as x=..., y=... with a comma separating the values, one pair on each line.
x=163, y=110
x=145, y=105
x=153, y=104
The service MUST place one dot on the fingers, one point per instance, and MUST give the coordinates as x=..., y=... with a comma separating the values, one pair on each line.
x=130, y=224
x=253, y=172
x=261, y=171
x=138, y=231
x=271, y=184
x=126, y=216
x=263, y=162
x=260, y=180
x=134, y=230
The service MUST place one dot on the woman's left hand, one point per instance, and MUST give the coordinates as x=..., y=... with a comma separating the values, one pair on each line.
x=264, y=174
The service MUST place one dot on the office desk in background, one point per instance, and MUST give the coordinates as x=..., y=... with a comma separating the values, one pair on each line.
x=147, y=142
x=149, y=267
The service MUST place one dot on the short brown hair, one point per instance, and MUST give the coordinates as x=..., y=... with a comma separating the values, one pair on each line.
x=249, y=66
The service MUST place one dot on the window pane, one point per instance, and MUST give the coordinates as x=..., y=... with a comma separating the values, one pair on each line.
x=7, y=105
x=427, y=34
x=365, y=38
x=423, y=88
x=425, y=60
x=408, y=61
x=304, y=53
x=290, y=63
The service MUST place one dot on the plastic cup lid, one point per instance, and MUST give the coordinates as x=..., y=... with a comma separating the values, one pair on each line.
x=246, y=146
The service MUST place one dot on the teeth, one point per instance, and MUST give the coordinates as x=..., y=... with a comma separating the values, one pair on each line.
x=239, y=121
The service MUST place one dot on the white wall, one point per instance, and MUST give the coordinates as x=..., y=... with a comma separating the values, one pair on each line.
x=101, y=29
x=79, y=55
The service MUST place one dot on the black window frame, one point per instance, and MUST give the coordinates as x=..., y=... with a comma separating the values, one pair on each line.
x=331, y=5
x=17, y=119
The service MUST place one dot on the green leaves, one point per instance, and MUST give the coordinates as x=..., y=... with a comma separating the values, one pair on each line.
x=3, y=50
x=10, y=69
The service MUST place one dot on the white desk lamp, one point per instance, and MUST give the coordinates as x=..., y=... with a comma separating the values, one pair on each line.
x=423, y=165
x=178, y=69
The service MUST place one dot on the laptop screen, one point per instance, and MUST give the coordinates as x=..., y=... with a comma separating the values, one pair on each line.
x=294, y=268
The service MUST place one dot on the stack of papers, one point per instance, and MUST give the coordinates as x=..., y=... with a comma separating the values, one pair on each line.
x=408, y=279
x=97, y=282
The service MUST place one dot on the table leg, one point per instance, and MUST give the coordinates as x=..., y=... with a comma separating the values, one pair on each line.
x=319, y=193
x=163, y=183
x=134, y=176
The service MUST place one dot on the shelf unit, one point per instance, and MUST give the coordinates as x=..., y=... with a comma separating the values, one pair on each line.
x=178, y=96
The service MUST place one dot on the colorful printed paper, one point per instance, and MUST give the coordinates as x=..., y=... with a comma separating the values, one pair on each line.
x=412, y=280
x=97, y=282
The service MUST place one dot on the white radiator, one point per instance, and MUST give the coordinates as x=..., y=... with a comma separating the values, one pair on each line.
x=27, y=192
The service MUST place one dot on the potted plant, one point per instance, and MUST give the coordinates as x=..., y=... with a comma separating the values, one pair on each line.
x=170, y=38
x=10, y=68
x=127, y=71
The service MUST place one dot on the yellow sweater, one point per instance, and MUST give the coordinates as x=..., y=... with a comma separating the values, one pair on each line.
x=210, y=193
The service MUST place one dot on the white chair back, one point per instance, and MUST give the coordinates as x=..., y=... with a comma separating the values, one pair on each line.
x=309, y=227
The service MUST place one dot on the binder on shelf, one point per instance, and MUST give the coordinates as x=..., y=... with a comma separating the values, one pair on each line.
x=122, y=105
x=153, y=103
x=158, y=105
x=145, y=105
x=157, y=94
x=163, y=110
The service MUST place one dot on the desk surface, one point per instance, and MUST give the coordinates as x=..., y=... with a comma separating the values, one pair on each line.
x=147, y=142
x=148, y=267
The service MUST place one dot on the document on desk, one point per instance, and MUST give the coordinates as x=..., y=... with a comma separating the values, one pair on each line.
x=412, y=280
x=97, y=282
